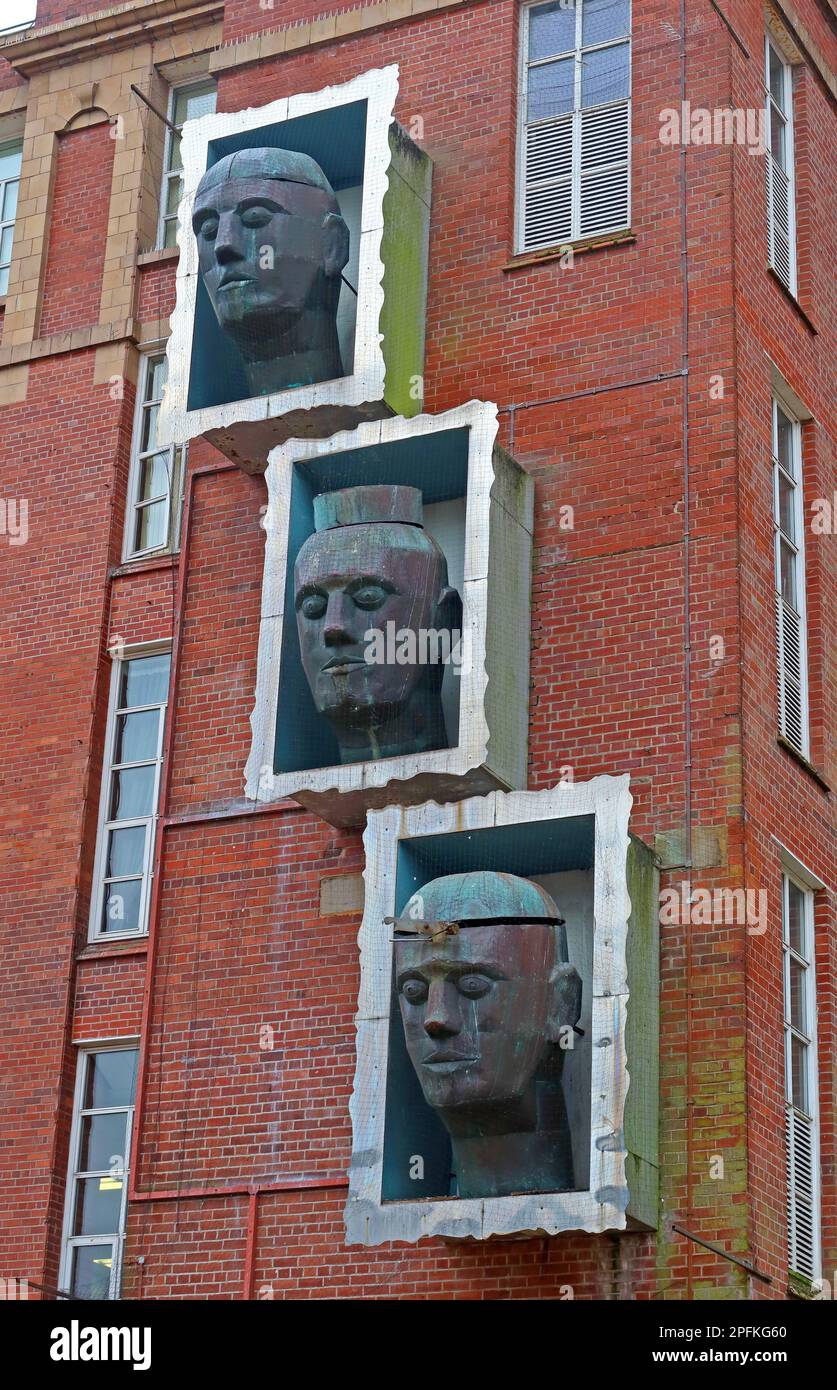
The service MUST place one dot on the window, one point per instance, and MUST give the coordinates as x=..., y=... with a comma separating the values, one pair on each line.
x=10, y=161
x=128, y=807
x=185, y=104
x=155, y=484
x=97, y=1183
x=802, y=1127
x=574, y=142
x=788, y=520
x=781, y=211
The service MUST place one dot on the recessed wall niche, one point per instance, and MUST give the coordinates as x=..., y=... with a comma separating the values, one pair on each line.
x=302, y=277
x=572, y=1145
x=455, y=541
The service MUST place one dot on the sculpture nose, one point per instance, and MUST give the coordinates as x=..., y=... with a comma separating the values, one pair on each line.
x=226, y=245
x=440, y=1019
x=337, y=629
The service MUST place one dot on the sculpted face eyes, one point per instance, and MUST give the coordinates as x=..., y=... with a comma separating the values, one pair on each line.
x=367, y=594
x=472, y=985
x=252, y=215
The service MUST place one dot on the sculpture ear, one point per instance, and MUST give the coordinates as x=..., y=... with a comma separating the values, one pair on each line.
x=566, y=1000
x=335, y=244
x=448, y=610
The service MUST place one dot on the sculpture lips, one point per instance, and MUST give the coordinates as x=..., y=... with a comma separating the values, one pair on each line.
x=234, y=279
x=446, y=1058
x=338, y=663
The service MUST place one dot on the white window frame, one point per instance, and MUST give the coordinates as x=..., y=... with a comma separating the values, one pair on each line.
x=575, y=178
x=177, y=462
x=795, y=1117
x=97, y=896
x=6, y=146
x=69, y=1242
x=797, y=545
x=771, y=46
x=168, y=172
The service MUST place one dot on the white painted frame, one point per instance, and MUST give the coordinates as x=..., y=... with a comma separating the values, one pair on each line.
x=98, y=889
x=365, y=384
x=522, y=125
x=809, y=960
x=177, y=475
x=168, y=172
x=796, y=478
x=471, y=754
x=771, y=45
x=602, y=1206
x=6, y=148
x=70, y=1243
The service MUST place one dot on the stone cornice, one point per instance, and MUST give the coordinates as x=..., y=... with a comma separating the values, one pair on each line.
x=140, y=21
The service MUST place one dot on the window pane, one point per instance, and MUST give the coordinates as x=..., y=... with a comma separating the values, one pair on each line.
x=778, y=138
x=111, y=1079
x=121, y=908
x=102, y=1141
x=787, y=566
x=787, y=520
x=154, y=476
x=98, y=1206
x=6, y=239
x=136, y=736
x=191, y=102
x=784, y=441
x=4, y=279
x=126, y=852
x=148, y=437
x=155, y=379
x=170, y=232
x=799, y=1074
x=10, y=200
x=605, y=75
x=777, y=85
x=145, y=680
x=132, y=793
x=796, y=920
x=174, y=191
x=91, y=1271
x=798, y=1011
x=604, y=19
x=551, y=30
x=551, y=89
x=10, y=161
x=152, y=526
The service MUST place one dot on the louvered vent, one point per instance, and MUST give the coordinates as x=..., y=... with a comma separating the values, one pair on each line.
x=548, y=185
x=800, y=1137
x=789, y=660
x=594, y=146
x=778, y=211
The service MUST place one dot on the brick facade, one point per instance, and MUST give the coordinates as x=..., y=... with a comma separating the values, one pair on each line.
x=605, y=375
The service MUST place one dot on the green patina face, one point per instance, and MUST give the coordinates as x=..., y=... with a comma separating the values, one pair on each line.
x=483, y=1012
x=367, y=571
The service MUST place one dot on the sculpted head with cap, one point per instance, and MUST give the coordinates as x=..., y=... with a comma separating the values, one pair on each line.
x=371, y=563
x=272, y=246
x=487, y=1011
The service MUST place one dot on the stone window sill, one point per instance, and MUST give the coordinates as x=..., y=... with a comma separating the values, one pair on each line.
x=145, y=563
x=124, y=946
x=578, y=248
x=168, y=253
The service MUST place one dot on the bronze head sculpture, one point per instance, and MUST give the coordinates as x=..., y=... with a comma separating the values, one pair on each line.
x=271, y=247
x=371, y=568
x=488, y=1010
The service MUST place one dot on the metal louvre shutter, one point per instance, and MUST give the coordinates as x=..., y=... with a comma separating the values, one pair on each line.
x=800, y=1135
x=778, y=215
x=789, y=662
x=604, y=169
x=547, y=217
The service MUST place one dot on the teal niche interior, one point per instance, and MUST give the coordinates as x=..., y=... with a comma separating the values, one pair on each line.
x=430, y=694
x=302, y=279
x=543, y=1118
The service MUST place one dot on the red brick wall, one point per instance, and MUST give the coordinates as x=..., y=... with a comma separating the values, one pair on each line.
x=240, y=940
x=78, y=230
